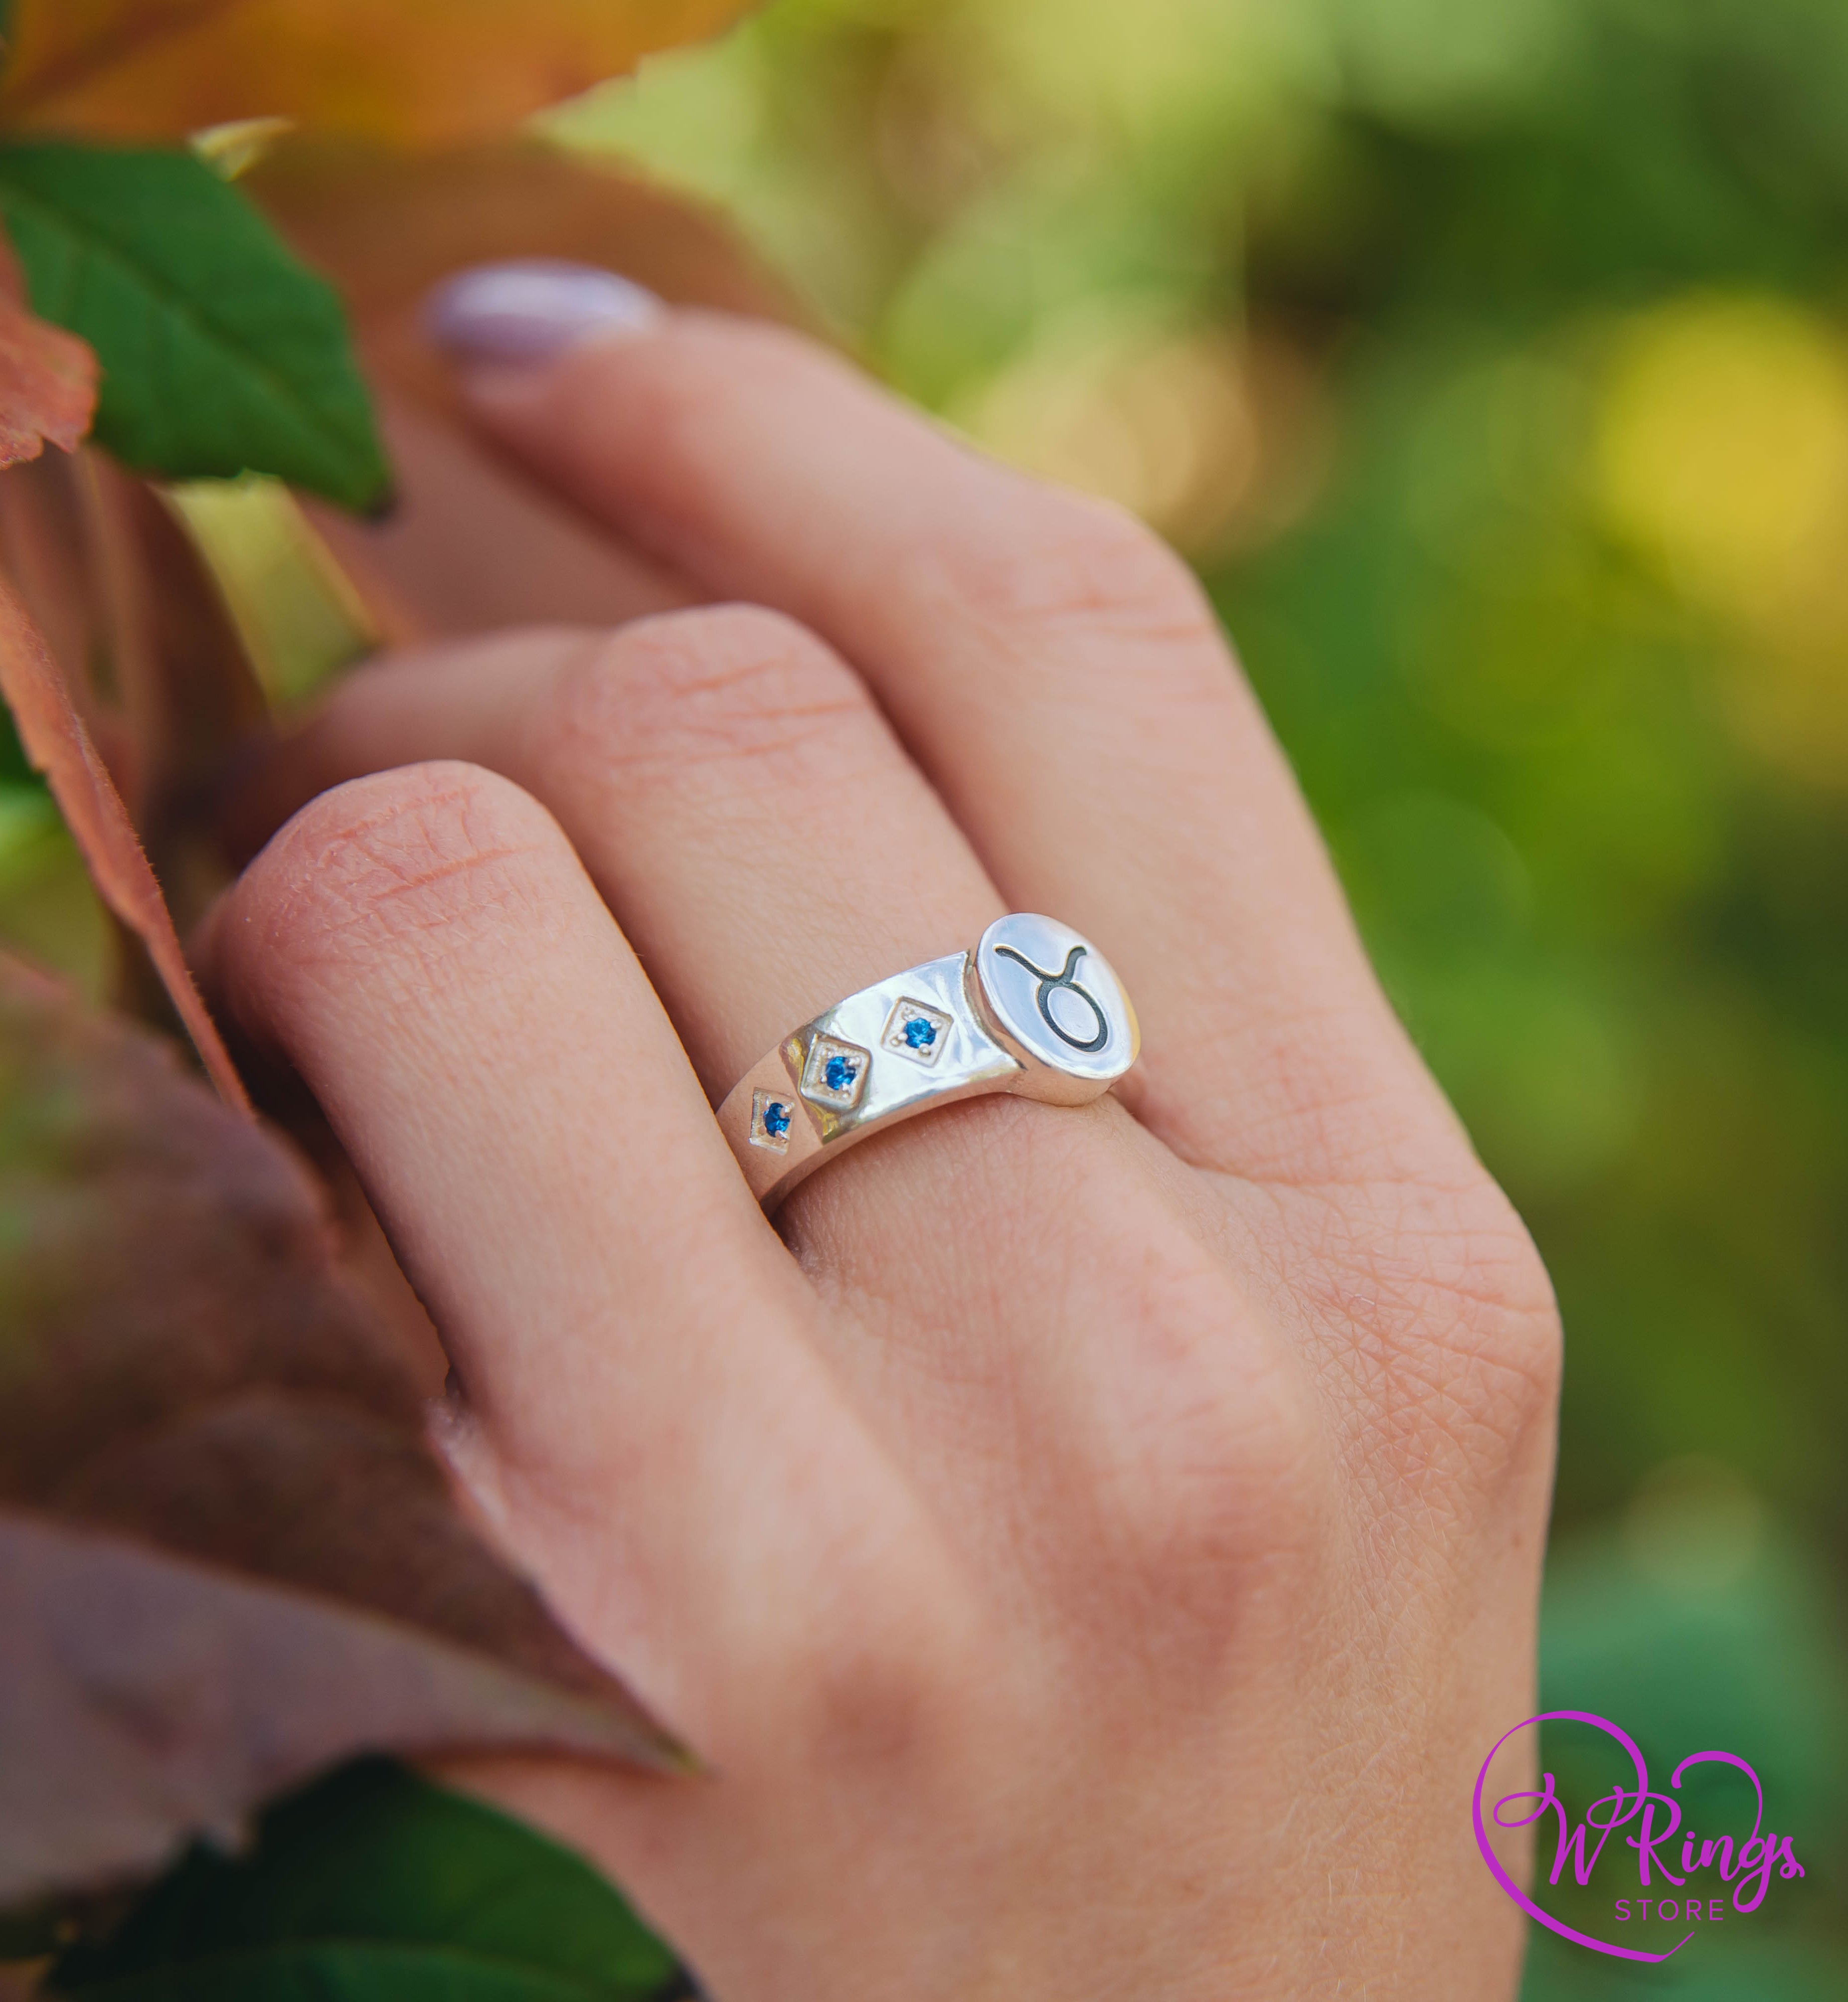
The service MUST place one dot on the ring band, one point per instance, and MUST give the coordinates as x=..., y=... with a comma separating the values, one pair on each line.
x=1035, y=1009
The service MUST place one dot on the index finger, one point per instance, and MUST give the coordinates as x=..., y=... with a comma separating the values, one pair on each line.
x=1053, y=667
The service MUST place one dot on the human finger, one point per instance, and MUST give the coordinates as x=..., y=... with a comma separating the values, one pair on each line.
x=765, y=842
x=471, y=543
x=768, y=847
x=644, y=1418
x=1055, y=672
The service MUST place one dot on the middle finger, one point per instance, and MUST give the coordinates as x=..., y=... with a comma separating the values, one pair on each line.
x=742, y=805
x=768, y=848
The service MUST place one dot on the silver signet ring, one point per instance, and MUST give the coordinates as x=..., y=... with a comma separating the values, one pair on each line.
x=1035, y=1009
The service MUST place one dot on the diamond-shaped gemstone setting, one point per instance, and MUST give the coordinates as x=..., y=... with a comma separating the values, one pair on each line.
x=835, y=1074
x=915, y=1030
x=772, y=1114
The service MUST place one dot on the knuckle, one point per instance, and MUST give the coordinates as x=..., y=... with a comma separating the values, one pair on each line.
x=736, y=689
x=870, y=1705
x=884, y=1688
x=400, y=867
x=1221, y=1480
x=1197, y=1464
x=1452, y=1334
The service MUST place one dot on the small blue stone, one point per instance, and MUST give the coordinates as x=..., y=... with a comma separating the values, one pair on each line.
x=776, y=1119
x=919, y=1033
x=839, y=1073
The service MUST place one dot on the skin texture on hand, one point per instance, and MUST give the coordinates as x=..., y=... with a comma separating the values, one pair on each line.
x=1092, y=1549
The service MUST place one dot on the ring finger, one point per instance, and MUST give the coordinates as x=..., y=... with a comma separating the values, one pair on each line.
x=768, y=848
x=747, y=814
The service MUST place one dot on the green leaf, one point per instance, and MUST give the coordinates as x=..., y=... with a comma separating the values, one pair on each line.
x=16, y=767
x=374, y=1883
x=221, y=354
x=338, y=1972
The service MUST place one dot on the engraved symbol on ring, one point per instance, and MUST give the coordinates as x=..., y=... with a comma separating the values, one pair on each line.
x=1052, y=983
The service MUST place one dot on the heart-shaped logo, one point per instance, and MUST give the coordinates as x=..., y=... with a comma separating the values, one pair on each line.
x=1703, y=1873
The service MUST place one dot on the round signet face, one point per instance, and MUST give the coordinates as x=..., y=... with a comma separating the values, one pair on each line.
x=1055, y=999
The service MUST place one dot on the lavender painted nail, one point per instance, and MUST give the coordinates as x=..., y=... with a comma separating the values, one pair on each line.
x=531, y=308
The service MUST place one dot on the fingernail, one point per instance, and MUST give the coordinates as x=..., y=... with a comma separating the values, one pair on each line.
x=531, y=309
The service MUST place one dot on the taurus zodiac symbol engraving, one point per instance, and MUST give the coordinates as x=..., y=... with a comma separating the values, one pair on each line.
x=1050, y=983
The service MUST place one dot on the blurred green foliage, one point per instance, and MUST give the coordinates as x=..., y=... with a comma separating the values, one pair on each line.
x=1491, y=362
x=373, y=1885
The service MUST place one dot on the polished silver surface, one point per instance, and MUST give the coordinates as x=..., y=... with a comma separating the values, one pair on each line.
x=1054, y=1001
x=1035, y=1009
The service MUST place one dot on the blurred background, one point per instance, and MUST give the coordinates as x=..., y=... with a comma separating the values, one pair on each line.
x=1490, y=360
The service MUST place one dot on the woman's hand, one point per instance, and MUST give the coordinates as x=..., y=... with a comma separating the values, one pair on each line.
x=1092, y=1549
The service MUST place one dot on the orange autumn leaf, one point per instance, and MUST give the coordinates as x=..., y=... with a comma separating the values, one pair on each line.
x=470, y=544
x=58, y=744
x=228, y=1556
x=415, y=71
x=47, y=377
x=385, y=227
x=48, y=385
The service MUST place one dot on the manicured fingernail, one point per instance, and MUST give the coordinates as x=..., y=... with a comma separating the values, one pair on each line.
x=532, y=309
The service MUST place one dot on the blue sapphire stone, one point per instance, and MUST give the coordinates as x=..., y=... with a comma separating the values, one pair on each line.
x=919, y=1033
x=777, y=1118
x=837, y=1073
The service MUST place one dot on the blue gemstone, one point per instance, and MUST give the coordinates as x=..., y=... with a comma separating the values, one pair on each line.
x=837, y=1073
x=776, y=1119
x=920, y=1034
